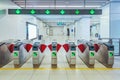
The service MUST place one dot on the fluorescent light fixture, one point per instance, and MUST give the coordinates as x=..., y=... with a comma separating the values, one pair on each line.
x=52, y=6
x=94, y=6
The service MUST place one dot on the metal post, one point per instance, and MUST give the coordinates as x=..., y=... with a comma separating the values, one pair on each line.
x=119, y=46
x=25, y=4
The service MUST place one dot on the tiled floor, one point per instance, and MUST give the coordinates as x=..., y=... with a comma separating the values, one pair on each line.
x=61, y=73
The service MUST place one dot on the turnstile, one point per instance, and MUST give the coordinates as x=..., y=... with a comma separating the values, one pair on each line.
x=105, y=54
x=38, y=54
x=54, y=55
x=6, y=50
x=54, y=47
x=71, y=54
x=86, y=53
x=22, y=52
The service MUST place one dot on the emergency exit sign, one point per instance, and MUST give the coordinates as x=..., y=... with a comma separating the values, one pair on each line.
x=56, y=11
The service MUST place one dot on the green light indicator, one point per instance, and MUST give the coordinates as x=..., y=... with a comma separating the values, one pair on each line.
x=47, y=11
x=34, y=54
x=32, y=11
x=111, y=54
x=77, y=12
x=73, y=54
x=53, y=53
x=62, y=12
x=15, y=54
x=17, y=11
x=92, y=54
x=92, y=11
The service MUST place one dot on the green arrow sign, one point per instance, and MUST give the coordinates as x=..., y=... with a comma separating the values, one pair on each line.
x=77, y=12
x=32, y=11
x=62, y=12
x=35, y=54
x=92, y=54
x=73, y=54
x=17, y=11
x=53, y=53
x=15, y=54
x=92, y=11
x=111, y=54
x=47, y=11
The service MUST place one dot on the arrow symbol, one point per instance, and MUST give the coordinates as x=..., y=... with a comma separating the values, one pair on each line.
x=17, y=11
x=73, y=54
x=47, y=11
x=110, y=54
x=15, y=54
x=92, y=11
x=62, y=11
x=32, y=11
x=77, y=12
x=54, y=54
x=92, y=54
x=35, y=54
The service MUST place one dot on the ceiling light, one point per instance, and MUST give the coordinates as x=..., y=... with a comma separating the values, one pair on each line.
x=94, y=6
x=53, y=6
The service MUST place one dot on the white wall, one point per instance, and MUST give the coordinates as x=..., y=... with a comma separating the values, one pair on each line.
x=83, y=29
x=42, y=28
x=14, y=26
x=65, y=30
x=104, y=22
x=115, y=19
x=58, y=31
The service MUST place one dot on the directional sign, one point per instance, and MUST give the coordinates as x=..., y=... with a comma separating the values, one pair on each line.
x=35, y=54
x=92, y=54
x=110, y=54
x=73, y=54
x=54, y=54
x=15, y=54
x=56, y=11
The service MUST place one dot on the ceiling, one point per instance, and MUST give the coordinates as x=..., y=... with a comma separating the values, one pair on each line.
x=60, y=3
x=52, y=20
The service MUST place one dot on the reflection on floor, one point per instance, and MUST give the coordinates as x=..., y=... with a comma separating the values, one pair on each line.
x=61, y=73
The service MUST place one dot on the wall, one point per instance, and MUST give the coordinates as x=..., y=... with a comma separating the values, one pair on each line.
x=104, y=22
x=14, y=26
x=115, y=19
x=83, y=29
x=42, y=28
x=58, y=31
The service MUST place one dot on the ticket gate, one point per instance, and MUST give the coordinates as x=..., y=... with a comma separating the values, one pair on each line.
x=70, y=49
x=6, y=50
x=54, y=47
x=87, y=54
x=22, y=52
x=38, y=54
x=105, y=54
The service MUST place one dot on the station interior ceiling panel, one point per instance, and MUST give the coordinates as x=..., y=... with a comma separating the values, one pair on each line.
x=54, y=20
x=60, y=3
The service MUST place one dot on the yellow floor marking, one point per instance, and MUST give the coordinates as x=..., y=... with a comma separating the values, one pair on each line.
x=60, y=69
